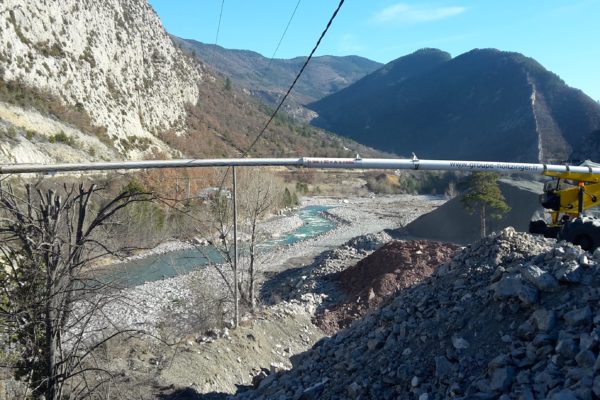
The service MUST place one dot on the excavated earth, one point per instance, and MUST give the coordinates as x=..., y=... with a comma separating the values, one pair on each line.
x=509, y=317
x=397, y=265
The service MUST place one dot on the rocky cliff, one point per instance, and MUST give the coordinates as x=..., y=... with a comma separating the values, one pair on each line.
x=87, y=80
x=111, y=59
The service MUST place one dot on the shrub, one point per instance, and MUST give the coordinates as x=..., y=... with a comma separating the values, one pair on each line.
x=62, y=137
x=290, y=199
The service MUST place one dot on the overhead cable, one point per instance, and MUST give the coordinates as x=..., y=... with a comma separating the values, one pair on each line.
x=263, y=130
x=219, y=24
x=284, y=32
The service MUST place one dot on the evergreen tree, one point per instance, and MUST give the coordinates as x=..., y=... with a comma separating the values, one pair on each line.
x=483, y=195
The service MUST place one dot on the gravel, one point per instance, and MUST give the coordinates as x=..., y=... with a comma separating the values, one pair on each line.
x=143, y=307
x=478, y=328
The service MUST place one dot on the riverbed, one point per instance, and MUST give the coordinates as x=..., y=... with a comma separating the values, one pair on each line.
x=145, y=306
x=184, y=258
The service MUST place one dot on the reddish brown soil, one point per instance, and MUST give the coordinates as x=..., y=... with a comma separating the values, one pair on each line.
x=368, y=284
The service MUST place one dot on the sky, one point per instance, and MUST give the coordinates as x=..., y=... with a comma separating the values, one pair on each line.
x=563, y=35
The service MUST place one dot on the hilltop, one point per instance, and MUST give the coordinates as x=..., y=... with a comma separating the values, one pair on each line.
x=485, y=104
x=269, y=79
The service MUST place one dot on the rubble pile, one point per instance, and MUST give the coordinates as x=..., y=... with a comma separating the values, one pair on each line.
x=375, y=278
x=512, y=317
x=302, y=284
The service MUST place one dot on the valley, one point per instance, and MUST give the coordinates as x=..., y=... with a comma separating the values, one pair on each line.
x=309, y=281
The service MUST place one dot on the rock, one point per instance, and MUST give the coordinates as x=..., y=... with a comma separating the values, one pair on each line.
x=564, y=394
x=585, y=359
x=539, y=278
x=414, y=382
x=535, y=344
x=545, y=320
x=586, y=341
x=353, y=389
x=374, y=344
x=314, y=391
x=459, y=343
x=443, y=367
x=276, y=367
x=571, y=272
x=596, y=385
x=513, y=286
x=567, y=348
x=579, y=316
x=499, y=361
x=259, y=377
x=596, y=254
x=526, y=330
x=502, y=378
x=584, y=261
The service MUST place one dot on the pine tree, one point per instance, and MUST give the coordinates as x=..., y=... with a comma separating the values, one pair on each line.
x=484, y=195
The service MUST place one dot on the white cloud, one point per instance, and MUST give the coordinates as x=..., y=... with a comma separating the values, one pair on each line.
x=407, y=14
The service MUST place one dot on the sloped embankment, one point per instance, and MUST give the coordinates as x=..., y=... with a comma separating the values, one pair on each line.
x=452, y=223
x=511, y=316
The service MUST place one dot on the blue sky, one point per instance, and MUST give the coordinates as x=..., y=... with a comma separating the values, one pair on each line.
x=562, y=35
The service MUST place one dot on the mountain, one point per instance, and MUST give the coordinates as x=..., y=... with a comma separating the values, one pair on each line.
x=89, y=80
x=484, y=105
x=269, y=79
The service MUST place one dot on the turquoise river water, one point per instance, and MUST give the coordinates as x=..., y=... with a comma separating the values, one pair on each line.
x=156, y=267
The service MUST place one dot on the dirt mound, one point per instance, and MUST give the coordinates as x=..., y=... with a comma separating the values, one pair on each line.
x=397, y=265
x=452, y=223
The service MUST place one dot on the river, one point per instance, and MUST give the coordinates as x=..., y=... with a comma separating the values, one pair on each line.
x=167, y=265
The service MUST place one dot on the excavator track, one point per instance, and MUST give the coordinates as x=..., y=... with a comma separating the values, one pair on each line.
x=584, y=231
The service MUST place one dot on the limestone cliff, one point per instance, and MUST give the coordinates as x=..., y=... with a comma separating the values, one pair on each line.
x=111, y=59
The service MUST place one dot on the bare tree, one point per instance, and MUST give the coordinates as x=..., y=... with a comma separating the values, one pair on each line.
x=258, y=192
x=47, y=240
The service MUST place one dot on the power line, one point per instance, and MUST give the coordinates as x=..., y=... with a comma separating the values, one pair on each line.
x=219, y=24
x=295, y=79
x=212, y=55
x=268, y=68
x=284, y=32
x=264, y=129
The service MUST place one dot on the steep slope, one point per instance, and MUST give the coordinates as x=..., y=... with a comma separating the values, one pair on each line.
x=484, y=104
x=590, y=148
x=112, y=59
x=83, y=80
x=394, y=73
x=452, y=223
x=509, y=317
x=269, y=79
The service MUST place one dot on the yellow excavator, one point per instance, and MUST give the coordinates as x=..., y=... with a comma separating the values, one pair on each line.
x=567, y=198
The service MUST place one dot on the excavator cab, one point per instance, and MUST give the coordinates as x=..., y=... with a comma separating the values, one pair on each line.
x=550, y=199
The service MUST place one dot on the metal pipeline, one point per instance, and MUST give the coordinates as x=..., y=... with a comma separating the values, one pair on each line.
x=307, y=162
